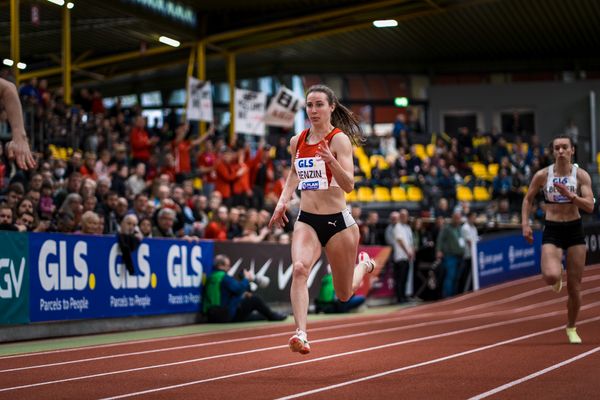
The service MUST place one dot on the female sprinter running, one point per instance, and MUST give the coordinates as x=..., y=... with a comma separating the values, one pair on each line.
x=323, y=170
x=567, y=189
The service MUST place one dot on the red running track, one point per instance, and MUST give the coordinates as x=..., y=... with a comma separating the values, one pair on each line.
x=507, y=341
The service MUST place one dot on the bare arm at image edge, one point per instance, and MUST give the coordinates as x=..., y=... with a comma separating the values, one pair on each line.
x=18, y=147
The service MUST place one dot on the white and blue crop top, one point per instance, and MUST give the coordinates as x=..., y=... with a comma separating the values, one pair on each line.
x=551, y=194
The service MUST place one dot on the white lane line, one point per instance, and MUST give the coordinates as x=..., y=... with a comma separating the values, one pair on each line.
x=422, y=364
x=350, y=336
x=235, y=330
x=340, y=326
x=160, y=389
x=534, y=375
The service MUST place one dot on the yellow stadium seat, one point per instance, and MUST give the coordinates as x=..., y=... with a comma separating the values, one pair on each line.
x=493, y=170
x=377, y=160
x=351, y=197
x=197, y=183
x=382, y=194
x=479, y=170
x=480, y=193
x=364, y=194
x=398, y=194
x=463, y=193
x=420, y=151
x=598, y=161
x=414, y=193
x=430, y=149
x=364, y=165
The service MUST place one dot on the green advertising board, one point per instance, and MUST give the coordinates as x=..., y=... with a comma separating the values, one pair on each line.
x=14, y=278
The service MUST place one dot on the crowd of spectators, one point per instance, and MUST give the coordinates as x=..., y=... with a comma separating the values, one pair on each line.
x=181, y=185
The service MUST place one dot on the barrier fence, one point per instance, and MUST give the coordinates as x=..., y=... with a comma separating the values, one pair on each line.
x=508, y=256
x=55, y=277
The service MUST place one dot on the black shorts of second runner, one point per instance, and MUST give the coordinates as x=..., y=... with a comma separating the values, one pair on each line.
x=327, y=225
x=563, y=234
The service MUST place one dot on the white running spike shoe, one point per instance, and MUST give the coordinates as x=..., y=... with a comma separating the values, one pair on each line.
x=299, y=343
x=368, y=262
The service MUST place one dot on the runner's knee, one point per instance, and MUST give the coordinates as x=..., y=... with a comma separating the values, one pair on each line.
x=301, y=271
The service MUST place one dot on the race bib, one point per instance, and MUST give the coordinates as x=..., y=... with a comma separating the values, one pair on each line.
x=312, y=173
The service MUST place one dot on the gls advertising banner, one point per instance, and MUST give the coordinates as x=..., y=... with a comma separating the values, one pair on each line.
x=76, y=276
x=506, y=258
x=14, y=278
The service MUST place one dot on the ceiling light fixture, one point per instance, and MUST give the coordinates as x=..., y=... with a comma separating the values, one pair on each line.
x=70, y=5
x=21, y=65
x=8, y=62
x=58, y=2
x=385, y=23
x=169, y=41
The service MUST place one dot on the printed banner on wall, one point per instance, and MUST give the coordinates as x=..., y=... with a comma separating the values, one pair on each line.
x=80, y=276
x=199, y=104
x=283, y=108
x=507, y=258
x=250, y=112
x=14, y=278
x=274, y=261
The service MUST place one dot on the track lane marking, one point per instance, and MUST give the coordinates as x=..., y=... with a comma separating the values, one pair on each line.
x=334, y=327
x=425, y=363
x=407, y=341
x=533, y=375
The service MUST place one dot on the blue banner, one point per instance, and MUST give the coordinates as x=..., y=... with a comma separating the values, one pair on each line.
x=77, y=276
x=506, y=258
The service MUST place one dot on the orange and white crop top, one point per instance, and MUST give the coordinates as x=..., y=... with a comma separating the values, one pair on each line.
x=313, y=172
x=551, y=194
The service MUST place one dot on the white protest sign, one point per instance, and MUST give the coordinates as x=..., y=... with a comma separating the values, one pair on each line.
x=250, y=112
x=283, y=108
x=199, y=105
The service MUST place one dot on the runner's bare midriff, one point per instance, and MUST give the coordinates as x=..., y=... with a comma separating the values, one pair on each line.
x=328, y=201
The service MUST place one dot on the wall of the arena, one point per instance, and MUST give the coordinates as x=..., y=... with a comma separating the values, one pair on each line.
x=506, y=256
x=554, y=103
x=54, y=277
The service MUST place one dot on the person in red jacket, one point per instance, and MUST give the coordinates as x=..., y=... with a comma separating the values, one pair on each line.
x=228, y=171
x=217, y=228
x=141, y=142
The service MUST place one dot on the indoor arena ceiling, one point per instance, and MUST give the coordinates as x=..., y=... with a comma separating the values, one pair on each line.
x=278, y=37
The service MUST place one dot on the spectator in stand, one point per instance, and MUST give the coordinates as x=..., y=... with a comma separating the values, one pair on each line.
x=206, y=167
x=369, y=232
x=262, y=174
x=146, y=227
x=450, y=247
x=282, y=153
x=141, y=143
x=75, y=163
x=89, y=223
x=227, y=173
x=234, y=230
x=74, y=183
x=109, y=206
x=502, y=184
x=6, y=218
x=25, y=222
x=404, y=254
x=217, y=227
x=101, y=169
x=182, y=147
x=470, y=235
x=228, y=300
x=88, y=169
x=164, y=226
x=14, y=194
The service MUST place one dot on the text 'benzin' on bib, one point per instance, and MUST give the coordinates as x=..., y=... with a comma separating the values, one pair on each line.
x=312, y=173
